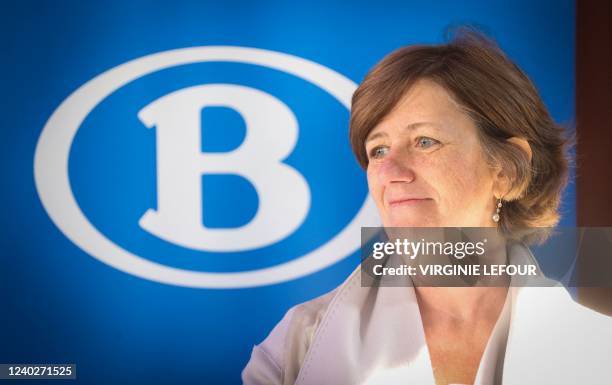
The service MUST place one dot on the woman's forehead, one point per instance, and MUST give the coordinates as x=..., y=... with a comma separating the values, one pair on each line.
x=425, y=104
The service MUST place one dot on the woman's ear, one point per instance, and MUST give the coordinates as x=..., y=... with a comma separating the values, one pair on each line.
x=503, y=184
x=523, y=144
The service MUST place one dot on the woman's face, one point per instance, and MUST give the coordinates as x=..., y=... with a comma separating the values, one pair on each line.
x=426, y=165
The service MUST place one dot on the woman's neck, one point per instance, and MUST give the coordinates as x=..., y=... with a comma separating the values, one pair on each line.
x=461, y=304
x=483, y=300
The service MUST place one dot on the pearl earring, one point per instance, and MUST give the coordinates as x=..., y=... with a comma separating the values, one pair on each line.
x=497, y=211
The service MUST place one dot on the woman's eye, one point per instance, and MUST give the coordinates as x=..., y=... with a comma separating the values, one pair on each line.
x=425, y=142
x=378, y=152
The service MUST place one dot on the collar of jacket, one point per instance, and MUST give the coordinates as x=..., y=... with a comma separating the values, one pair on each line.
x=374, y=335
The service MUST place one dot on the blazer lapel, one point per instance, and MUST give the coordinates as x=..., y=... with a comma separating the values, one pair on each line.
x=369, y=335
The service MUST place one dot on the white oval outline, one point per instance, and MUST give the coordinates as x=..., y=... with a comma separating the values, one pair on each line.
x=53, y=184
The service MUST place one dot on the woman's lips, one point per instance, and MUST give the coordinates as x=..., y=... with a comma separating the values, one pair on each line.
x=407, y=201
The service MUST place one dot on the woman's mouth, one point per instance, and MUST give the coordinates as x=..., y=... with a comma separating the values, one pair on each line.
x=407, y=202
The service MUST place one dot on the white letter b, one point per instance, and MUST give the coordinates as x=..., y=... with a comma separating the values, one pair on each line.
x=271, y=135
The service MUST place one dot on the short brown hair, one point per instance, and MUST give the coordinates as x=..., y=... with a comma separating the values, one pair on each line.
x=502, y=102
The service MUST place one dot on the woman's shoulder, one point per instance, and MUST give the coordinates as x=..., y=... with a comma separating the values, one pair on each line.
x=554, y=337
x=278, y=358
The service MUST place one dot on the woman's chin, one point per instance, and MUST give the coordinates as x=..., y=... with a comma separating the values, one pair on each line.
x=412, y=215
x=411, y=222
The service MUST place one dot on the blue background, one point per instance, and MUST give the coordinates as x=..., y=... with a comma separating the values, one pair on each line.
x=60, y=305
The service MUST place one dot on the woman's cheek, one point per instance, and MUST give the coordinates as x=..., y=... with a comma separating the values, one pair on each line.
x=454, y=180
x=374, y=185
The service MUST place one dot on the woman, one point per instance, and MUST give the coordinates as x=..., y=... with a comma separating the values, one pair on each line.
x=452, y=135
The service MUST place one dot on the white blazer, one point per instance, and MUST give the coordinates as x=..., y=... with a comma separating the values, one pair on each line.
x=374, y=335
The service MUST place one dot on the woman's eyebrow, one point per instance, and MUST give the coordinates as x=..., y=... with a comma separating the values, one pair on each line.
x=410, y=126
x=375, y=136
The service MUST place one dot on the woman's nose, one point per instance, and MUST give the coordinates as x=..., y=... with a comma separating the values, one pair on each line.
x=396, y=167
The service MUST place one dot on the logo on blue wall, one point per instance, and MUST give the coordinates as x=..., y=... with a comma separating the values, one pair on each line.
x=211, y=167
